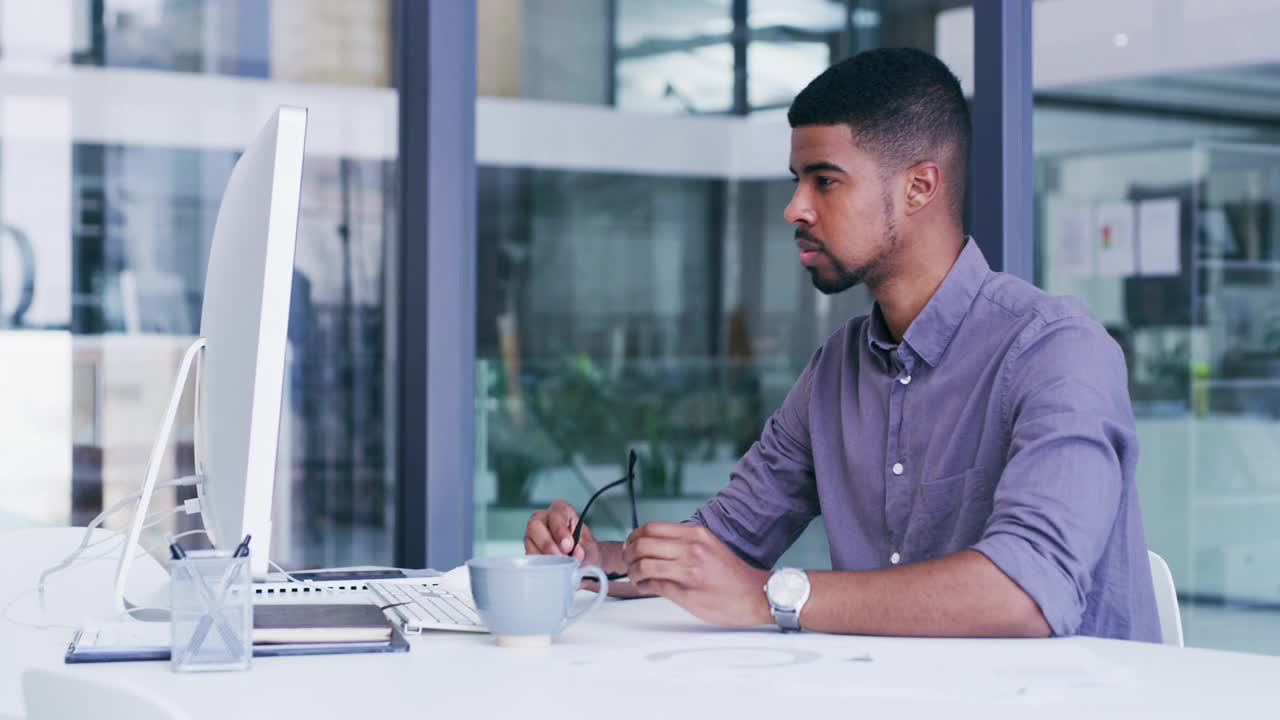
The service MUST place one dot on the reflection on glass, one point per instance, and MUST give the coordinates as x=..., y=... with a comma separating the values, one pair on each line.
x=1158, y=207
x=627, y=308
x=678, y=57
x=137, y=308
x=792, y=42
x=103, y=247
x=618, y=311
x=674, y=57
x=329, y=41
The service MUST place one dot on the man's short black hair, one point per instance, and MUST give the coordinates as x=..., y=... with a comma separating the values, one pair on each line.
x=904, y=107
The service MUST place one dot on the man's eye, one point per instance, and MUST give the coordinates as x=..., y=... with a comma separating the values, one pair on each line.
x=795, y=180
x=825, y=181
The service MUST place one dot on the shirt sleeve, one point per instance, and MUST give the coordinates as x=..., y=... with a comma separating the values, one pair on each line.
x=1066, y=395
x=771, y=495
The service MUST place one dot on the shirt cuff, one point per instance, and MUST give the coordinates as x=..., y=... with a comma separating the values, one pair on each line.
x=1033, y=573
x=717, y=526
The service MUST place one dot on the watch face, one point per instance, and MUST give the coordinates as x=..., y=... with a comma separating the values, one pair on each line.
x=787, y=588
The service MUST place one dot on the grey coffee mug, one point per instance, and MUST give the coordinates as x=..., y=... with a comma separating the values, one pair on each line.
x=526, y=599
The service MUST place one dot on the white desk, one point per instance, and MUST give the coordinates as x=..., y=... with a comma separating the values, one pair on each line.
x=648, y=658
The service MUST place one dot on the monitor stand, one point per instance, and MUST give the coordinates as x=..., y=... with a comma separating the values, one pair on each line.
x=119, y=603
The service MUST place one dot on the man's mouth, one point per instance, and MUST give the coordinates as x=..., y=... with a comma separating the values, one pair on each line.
x=810, y=252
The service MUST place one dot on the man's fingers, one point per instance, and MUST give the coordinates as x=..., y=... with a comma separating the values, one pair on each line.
x=648, y=569
x=656, y=548
x=670, y=531
x=537, y=534
x=563, y=512
x=662, y=588
x=562, y=519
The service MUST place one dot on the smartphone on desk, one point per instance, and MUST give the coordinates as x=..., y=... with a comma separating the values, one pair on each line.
x=348, y=575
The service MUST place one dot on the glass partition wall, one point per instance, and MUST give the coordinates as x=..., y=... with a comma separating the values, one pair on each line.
x=638, y=287
x=1157, y=133
x=119, y=125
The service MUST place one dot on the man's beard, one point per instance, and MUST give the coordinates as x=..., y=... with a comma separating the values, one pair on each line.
x=845, y=277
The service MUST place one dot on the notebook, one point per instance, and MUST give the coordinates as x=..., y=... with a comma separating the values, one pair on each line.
x=132, y=640
x=278, y=624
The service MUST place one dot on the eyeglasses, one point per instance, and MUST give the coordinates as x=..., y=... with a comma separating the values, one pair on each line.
x=630, y=481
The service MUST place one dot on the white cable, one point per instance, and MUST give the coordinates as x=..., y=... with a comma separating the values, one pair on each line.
x=107, y=539
x=38, y=589
x=157, y=519
x=118, y=538
x=131, y=610
x=104, y=554
x=189, y=533
x=174, y=538
x=151, y=520
x=283, y=572
x=102, y=516
x=160, y=516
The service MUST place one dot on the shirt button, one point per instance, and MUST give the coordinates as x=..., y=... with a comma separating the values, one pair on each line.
x=897, y=468
x=905, y=379
x=895, y=558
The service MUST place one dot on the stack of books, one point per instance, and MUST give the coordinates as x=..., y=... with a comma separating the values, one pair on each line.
x=278, y=630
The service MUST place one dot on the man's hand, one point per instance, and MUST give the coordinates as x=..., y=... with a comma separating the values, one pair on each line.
x=689, y=565
x=550, y=532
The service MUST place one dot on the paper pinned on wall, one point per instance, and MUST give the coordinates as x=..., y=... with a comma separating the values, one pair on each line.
x=1113, y=238
x=1072, y=244
x=1159, y=235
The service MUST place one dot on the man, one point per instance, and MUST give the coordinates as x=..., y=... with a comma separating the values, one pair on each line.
x=969, y=444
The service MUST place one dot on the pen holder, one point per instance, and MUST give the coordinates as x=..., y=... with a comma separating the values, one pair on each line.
x=211, y=597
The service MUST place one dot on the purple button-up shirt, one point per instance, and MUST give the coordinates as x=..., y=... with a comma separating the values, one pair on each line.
x=1000, y=423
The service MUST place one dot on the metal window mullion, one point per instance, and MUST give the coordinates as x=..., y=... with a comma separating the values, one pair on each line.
x=1004, y=184
x=435, y=63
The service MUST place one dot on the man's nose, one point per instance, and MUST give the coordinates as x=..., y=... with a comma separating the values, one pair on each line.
x=798, y=211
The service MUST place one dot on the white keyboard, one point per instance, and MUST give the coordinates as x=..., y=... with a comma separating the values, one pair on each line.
x=423, y=604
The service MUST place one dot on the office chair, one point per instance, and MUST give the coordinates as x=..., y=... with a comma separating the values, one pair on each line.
x=59, y=695
x=1166, y=600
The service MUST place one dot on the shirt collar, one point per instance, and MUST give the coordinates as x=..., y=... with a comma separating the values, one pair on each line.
x=878, y=336
x=931, y=332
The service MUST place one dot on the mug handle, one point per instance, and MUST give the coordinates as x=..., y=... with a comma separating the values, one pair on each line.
x=586, y=571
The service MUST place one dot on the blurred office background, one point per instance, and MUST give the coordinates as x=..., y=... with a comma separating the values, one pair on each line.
x=637, y=286
x=119, y=124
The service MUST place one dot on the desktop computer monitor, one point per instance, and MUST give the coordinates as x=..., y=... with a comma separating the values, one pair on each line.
x=243, y=327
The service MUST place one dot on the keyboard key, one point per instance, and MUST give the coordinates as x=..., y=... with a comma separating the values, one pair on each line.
x=426, y=605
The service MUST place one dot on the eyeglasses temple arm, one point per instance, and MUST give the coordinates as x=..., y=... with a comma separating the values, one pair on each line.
x=631, y=488
x=577, y=529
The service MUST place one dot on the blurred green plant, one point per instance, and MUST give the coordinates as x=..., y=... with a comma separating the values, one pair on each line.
x=576, y=412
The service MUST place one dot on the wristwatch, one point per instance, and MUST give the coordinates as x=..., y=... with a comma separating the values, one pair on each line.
x=787, y=591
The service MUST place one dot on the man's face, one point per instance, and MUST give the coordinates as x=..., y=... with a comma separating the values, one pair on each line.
x=841, y=209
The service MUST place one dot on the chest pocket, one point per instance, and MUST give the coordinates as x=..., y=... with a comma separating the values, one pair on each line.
x=948, y=515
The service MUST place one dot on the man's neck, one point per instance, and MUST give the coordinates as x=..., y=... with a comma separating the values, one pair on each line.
x=916, y=277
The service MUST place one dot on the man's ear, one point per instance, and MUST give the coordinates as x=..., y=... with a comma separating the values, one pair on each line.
x=923, y=184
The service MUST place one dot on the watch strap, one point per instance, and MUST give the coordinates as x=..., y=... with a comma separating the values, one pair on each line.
x=787, y=620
